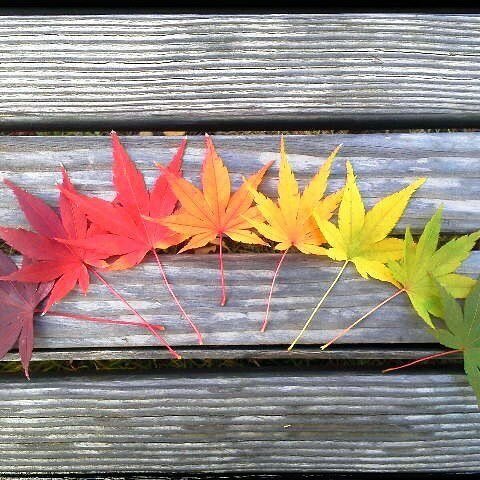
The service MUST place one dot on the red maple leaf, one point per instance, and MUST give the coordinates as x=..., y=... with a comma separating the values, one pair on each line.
x=52, y=260
x=122, y=221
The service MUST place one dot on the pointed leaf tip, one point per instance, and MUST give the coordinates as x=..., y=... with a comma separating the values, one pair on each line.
x=349, y=167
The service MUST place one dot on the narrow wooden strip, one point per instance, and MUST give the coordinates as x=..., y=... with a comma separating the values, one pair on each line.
x=198, y=69
x=233, y=352
x=243, y=421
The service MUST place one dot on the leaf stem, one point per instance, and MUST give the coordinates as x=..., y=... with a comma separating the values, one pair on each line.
x=319, y=304
x=88, y=318
x=133, y=310
x=423, y=359
x=175, y=299
x=363, y=317
x=269, y=301
x=223, y=300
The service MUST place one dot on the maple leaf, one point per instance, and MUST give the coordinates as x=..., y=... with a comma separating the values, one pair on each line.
x=362, y=238
x=422, y=266
x=290, y=222
x=19, y=301
x=461, y=333
x=213, y=212
x=51, y=259
x=122, y=222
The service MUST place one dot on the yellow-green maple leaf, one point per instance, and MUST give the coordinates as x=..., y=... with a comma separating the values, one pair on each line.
x=362, y=238
x=422, y=266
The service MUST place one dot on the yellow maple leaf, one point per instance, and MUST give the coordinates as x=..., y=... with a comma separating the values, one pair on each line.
x=289, y=221
x=362, y=238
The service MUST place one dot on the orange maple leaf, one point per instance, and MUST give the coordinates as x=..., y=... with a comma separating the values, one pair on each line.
x=214, y=211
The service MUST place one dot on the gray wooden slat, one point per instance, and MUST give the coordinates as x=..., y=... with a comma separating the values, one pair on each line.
x=248, y=276
x=164, y=69
x=246, y=421
x=383, y=162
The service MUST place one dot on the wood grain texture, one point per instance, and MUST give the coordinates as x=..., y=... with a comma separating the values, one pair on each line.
x=191, y=69
x=246, y=421
x=384, y=163
x=195, y=280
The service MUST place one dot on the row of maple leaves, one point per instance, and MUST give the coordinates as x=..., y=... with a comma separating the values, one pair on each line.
x=90, y=235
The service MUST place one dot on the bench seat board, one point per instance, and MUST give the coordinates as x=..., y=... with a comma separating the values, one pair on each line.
x=195, y=279
x=383, y=163
x=191, y=69
x=243, y=421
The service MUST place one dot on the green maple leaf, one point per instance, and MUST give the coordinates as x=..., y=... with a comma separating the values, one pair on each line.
x=422, y=266
x=462, y=331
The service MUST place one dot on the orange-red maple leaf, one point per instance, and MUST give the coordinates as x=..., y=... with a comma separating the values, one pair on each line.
x=122, y=222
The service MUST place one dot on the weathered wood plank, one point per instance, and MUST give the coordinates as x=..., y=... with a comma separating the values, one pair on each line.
x=383, y=162
x=195, y=280
x=184, y=69
x=263, y=421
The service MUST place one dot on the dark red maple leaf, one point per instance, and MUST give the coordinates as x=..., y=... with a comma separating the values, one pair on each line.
x=122, y=221
x=19, y=302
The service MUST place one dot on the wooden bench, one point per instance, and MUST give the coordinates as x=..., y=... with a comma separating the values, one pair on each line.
x=221, y=72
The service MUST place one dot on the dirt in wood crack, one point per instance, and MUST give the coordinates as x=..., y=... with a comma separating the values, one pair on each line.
x=137, y=365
